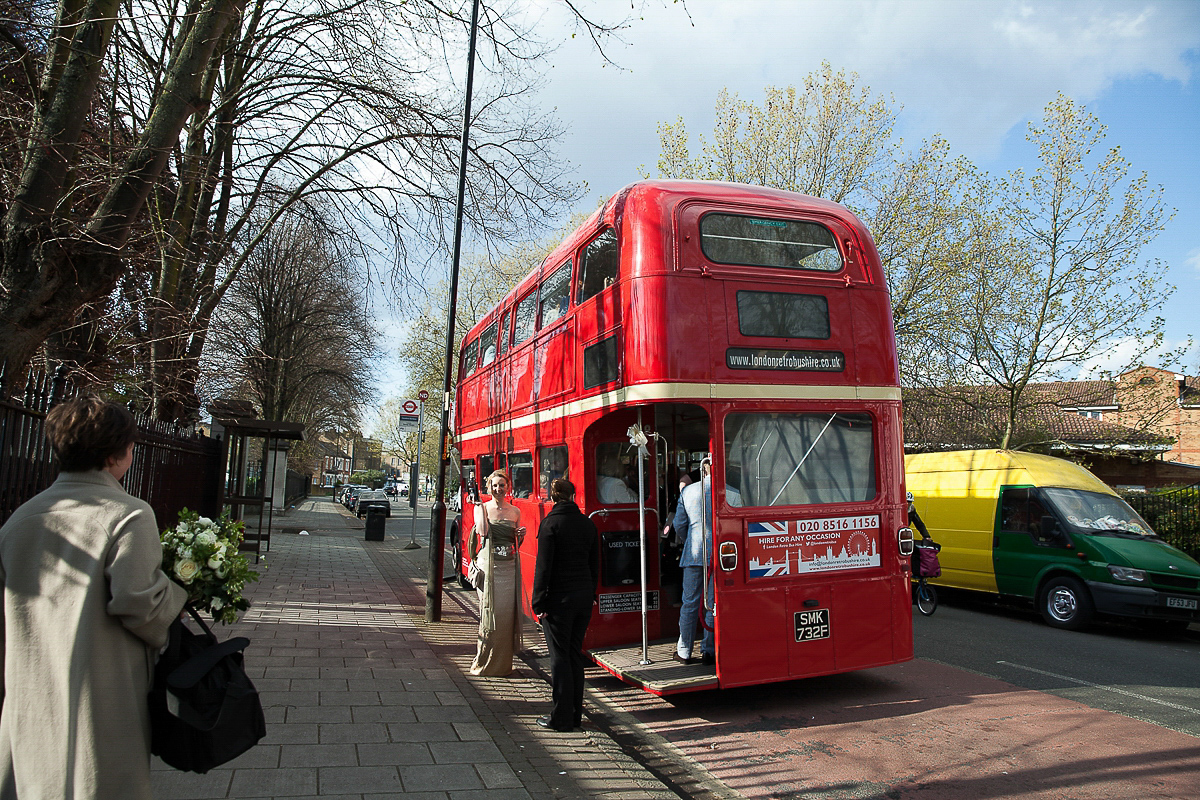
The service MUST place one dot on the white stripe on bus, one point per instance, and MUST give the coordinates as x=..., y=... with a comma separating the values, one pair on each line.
x=687, y=391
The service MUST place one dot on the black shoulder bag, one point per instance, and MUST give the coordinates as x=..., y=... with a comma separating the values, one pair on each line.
x=204, y=710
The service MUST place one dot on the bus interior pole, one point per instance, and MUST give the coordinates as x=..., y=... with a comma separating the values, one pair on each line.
x=437, y=516
x=706, y=515
x=641, y=452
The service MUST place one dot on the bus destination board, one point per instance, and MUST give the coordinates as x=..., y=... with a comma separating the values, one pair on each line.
x=806, y=546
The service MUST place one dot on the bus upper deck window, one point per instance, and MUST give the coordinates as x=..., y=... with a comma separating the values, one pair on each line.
x=502, y=341
x=599, y=267
x=556, y=293
x=798, y=459
x=526, y=318
x=468, y=362
x=487, y=345
x=762, y=242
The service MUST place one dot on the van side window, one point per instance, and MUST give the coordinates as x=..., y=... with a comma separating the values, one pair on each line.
x=1021, y=511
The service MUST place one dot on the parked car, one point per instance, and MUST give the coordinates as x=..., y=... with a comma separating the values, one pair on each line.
x=373, y=502
x=390, y=490
x=354, y=495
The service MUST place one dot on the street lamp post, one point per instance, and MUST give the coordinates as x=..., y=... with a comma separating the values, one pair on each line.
x=437, y=521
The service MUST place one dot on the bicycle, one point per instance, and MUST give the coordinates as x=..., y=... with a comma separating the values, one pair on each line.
x=925, y=565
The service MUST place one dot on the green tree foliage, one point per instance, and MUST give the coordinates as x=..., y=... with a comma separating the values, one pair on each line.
x=1057, y=277
x=368, y=477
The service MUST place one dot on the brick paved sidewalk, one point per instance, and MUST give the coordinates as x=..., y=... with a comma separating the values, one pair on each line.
x=364, y=700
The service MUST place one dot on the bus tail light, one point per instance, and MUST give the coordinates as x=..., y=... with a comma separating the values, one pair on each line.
x=728, y=556
x=905, y=537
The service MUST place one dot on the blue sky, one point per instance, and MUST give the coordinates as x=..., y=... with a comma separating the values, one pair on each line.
x=975, y=71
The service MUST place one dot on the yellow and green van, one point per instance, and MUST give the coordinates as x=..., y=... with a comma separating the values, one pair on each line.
x=1032, y=526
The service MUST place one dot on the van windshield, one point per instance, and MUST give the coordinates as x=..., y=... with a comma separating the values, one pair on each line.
x=1096, y=513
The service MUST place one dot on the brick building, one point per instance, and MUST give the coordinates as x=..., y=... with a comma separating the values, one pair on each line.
x=1146, y=398
x=1138, y=430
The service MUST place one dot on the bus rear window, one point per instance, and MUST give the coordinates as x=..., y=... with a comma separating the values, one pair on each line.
x=761, y=242
x=784, y=316
x=798, y=459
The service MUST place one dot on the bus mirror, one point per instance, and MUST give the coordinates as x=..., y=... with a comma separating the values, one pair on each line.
x=728, y=556
x=905, y=538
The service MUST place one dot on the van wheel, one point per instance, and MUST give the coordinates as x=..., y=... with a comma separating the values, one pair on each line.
x=1066, y=603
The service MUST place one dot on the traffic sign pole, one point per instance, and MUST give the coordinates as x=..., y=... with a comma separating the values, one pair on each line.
x=412, y=484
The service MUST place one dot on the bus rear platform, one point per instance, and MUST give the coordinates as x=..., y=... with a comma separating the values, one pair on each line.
x=663, y=676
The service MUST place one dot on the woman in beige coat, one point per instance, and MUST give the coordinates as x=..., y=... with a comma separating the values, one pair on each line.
x=85, y=612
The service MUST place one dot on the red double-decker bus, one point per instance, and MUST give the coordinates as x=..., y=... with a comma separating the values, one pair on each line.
x=745, y=326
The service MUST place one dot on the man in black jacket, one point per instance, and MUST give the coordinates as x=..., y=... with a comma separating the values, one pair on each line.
x=564, y=586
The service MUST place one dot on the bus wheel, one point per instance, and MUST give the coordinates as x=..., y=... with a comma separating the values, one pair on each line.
x=1065, y=603
x=458, y=573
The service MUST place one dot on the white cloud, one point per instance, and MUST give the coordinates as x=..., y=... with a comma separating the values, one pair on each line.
x=1193, y=259
x=1120, y=357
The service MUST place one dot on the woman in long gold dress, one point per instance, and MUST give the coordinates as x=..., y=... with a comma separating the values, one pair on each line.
x=498, y=526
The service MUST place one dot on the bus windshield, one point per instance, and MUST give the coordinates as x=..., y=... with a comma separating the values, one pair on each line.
x=1097, y=513
x=798, y=459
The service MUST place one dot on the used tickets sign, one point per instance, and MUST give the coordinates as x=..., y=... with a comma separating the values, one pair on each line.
x=804, y=546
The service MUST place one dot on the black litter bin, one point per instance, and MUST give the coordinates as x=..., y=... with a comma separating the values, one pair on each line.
x=375, y=523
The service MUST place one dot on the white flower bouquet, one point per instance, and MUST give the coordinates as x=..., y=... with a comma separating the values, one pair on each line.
x=202, y=555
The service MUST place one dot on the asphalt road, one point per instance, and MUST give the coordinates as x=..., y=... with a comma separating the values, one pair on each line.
x=996, y=705
x=1116, y=667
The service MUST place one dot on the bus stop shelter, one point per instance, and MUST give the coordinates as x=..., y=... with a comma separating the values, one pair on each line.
x=254, y=467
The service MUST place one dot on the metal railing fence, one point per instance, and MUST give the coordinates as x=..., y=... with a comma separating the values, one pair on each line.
x=173, y=467
x=1174, y=514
